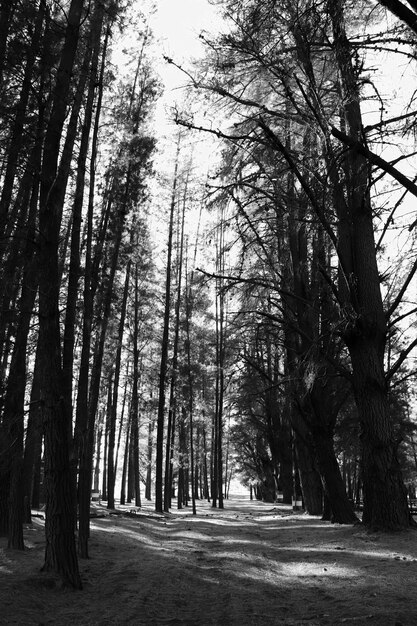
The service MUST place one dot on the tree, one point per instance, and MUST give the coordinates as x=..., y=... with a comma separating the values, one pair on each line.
x=60, y=554
x=301, y=86
x=164, y=347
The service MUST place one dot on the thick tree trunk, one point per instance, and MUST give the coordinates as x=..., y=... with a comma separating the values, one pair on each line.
x=335, y=491
x=6, y=13
x=385, y=504
x=15, y=397
x=92, y=54
x=16, y=138
x=85, y=419
x=12, y=266
x=60, y=553
x=309, y=476
x=285, y=483
x=385, y=498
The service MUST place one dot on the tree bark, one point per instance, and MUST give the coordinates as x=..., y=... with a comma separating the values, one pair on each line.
x=60, y=553
x=113, y=416
x=164, y=351
x=85, y=419
x=385, y=497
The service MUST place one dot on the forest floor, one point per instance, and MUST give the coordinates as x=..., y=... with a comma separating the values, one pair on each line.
x=250, y=564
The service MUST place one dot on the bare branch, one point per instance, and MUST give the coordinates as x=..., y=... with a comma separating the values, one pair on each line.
x=401, y=11
x=403, y=355
x=402, y=291
x=401, y=317
x=399, y=118
x=378, y=161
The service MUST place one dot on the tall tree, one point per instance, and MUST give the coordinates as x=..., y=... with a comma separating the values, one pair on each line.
x=164, y=346
x=60, y=554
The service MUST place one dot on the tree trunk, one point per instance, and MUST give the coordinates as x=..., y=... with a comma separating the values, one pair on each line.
x=309, y=477
x=173, y=398
x=113, y=415
x=121, y=425
x=125, y=464
x=33, y=445
x=164, y=351
x=15, y=393
x=60, y=553
x=189, y=308
x=6, y=13
x=148, y=486
x=92, y=53
x=341, y=507
x=385, y=496
x=16, y=138
x=134, y=407
x=85, y=419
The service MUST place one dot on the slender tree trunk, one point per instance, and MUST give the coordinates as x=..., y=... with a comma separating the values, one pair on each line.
x=205, y=468
x=220, y=350
x=189, y=308
x=85, y=419
x=33, y=444
x=131, y=469
x=148, y=487
x=113, y=417
x=135, y=391
x=173, y=399
x=105, y=486
x=125, y=464
x=98, y=438
x=164, y=352
x=121, y=425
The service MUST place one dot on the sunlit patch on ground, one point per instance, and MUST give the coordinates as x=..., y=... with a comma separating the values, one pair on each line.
x=244, y=566
x=307, y=569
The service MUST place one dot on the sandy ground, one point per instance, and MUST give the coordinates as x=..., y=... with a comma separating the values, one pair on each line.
x=251, y=564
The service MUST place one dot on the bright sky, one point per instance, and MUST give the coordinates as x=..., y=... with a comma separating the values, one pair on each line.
x=177, y=25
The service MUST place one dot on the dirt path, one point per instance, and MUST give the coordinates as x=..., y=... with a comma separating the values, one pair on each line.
x=251, y=564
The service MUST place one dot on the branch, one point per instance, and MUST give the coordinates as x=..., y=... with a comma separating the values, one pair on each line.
x=399, y=118
x=304, y=184
x=402, y=291
x=221, y=91
x=403, y=355
x=256, y=282
x=378, y=161
x=401, y=11
x=401, y=317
